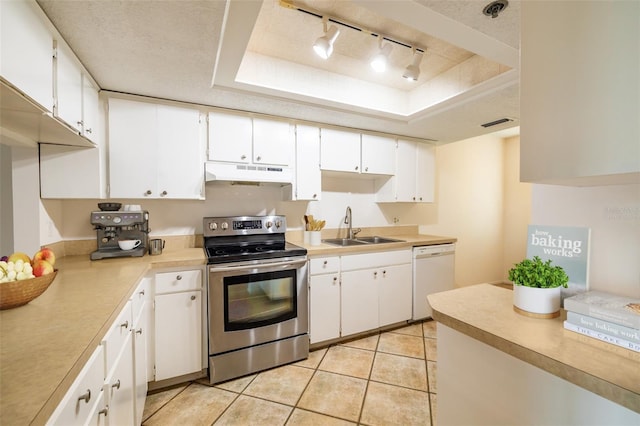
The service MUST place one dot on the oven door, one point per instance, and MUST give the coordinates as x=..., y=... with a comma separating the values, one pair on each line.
x=251, y=304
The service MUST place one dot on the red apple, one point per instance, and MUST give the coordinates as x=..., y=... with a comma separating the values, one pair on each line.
x=42, y=267
x=45, y=254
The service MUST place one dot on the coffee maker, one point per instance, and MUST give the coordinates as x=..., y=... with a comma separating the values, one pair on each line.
x=113, y=226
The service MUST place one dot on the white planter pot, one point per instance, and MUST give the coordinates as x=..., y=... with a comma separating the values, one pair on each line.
x=537, y=302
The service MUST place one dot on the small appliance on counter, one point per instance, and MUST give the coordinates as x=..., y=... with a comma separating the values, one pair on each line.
x=113, y=227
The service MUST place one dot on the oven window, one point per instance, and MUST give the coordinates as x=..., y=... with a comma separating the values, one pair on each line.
x=260, y=299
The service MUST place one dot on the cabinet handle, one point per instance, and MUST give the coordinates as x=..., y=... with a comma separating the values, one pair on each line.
x=139, y=331
x=375, y=274
x=148, y=192
x=325, y=263
x=420, y=198
x=163, y=193
x=243, y=157
x=88, y=130
x=258, y=158
x=179, y=277
x=193, y=297
x=86, y=396
x=141, y=293
x=414, y=198
x=384, y=273
x=125, y=324
x=104, y=411
x=116, y=384
x=315, y=195
x=335, y=280
x=79, y=123
x=366, y=169
x=357, y=168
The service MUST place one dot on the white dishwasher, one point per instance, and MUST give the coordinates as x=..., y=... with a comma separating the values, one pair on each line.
x=433, y=271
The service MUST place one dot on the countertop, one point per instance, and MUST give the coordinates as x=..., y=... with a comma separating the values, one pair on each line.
x=45, y=344
x=485, y=313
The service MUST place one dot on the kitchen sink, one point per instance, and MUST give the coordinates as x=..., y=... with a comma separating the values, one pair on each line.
x=345, y=242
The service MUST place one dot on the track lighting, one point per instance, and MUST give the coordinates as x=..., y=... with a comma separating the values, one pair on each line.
x=379, y=61
x=324, y=44
x=412, y=72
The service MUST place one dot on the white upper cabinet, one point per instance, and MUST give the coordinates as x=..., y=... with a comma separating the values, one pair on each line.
x=91, y=126
x=242, y=139
x=155, y=151
x=580, y=92
x=339, y=151
x=272, y=142
x=308, y=180
x=230, y=138
x=414, y=180
x=26, y=50
x=68, y=92
x=378, y=155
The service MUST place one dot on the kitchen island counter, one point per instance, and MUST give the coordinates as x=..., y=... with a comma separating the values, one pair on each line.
x=45, y=343
x=485, y=314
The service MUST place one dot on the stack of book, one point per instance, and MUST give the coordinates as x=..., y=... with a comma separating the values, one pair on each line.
x=607, y=317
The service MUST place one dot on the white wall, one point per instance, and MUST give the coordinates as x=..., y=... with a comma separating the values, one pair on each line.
x=6, y=201
x=613, y=214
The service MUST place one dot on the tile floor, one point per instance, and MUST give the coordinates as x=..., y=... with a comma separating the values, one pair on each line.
x=385, y=379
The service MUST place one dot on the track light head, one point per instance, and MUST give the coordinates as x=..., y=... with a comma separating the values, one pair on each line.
x=379, y=61
x=412, y=72
x=324, y=44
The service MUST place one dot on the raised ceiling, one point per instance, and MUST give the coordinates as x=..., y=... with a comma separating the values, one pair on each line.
x=256, y=56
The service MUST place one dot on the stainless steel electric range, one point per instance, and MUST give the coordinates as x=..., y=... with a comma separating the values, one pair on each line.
x=257, y=301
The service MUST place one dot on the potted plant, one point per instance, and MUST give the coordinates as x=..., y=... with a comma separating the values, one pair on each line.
x=537, y=287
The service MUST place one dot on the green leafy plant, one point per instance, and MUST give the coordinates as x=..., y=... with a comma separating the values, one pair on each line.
x=536, y=273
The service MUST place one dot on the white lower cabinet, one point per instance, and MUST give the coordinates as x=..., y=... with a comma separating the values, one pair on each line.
x=141, y=307
x=394, y=294
x=118, y=387
x=178, y=324
x=359, y=301
x=324, y=299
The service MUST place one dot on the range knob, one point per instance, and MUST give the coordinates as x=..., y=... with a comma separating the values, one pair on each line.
x=278, y=224
x=213, y=226
x=269, y=224
x=224, y=226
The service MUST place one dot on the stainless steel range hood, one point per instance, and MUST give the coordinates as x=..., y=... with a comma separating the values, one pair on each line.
x=230, y=172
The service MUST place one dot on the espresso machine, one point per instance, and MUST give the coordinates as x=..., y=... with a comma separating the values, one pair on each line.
x=113, y=226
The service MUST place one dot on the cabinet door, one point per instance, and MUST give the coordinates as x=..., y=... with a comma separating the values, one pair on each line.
x=339, y=151
x=133, y=155
x=324, y=307
x=178, y=334
x=378, y=155
x=98, y=416
x=394, y=290
x=26, y=50
x=308, y=185
x=359, y=299
x=140, y=330
x=90, y=109
x=180, y=153
x=405, y=178
x=272, y=142
x=425, y=173
x=68, y=88
x=119, y=387
x=230, y=138
x=72, y=172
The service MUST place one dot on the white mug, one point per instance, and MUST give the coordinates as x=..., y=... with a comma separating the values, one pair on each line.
x=129, y=244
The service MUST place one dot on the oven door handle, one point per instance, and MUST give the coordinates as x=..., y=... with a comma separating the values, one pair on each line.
x=285, y=265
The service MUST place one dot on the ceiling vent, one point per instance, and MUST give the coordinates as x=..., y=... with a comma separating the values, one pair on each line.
x=496, y=122
x=494, y=8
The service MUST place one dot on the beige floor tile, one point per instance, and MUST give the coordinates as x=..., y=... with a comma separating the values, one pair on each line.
x=314, y=359
x=237, y=385
x=283, y=385
x=334, y=395
x=247, y=410
x=393, y=405
x=156, y=400
x=434, y=408
x=431, y=348
x=429, y=329
x=400, y=370
x=349, y=361
x=411, y=330
x=369, y=343
x=401, y=344
x=307, y=418
x=196, y=405
x=432, y=369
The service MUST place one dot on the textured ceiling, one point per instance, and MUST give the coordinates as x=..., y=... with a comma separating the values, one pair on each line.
x=174, y=50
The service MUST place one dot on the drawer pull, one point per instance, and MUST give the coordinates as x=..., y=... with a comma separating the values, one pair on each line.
x=86, y=396
x=139, y=331
x=104, y=411
x=325, y=262
x=116, y=384
x=193, y=297
x=125, y=324
x=141, y=293
x=179, y=277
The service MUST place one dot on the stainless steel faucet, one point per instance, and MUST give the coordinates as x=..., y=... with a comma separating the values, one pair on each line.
x=348, y=220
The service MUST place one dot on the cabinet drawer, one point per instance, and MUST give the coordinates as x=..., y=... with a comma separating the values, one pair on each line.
x=78, y=404
x=141, y=294
x=116, y=337
x=168, y=282
x=375, y=260
x=324, y=265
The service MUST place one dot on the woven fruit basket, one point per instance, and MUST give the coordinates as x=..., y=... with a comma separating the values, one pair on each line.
x=18, y=293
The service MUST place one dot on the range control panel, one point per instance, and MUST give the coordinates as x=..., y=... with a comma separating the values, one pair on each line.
x=243, y=225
